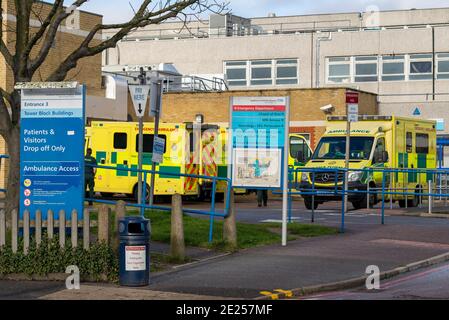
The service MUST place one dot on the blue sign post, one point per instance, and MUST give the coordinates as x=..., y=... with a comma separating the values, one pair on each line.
x=52, y=150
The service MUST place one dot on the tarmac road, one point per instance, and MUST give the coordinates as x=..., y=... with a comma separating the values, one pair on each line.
x=430, y=283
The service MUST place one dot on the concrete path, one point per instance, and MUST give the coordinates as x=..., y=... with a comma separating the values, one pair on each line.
x=308, y=262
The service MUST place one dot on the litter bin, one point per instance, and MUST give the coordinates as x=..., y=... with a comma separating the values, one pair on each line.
x=134, y=251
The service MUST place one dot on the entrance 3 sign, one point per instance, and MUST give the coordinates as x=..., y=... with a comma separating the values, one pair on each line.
x=52, y=150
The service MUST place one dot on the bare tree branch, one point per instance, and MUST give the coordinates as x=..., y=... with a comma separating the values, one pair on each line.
x=3, y=48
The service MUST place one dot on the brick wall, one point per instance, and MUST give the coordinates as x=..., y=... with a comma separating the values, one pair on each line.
x=305, y=106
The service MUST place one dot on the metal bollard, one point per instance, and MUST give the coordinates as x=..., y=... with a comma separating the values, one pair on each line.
x=430, y=197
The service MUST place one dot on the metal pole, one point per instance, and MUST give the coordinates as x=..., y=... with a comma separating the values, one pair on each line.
x=140, y=161
x=156, y=133
x=348, y=141
x=285, y=176
x=313, y=196
x=430, y=197
x=142, y=79
x=383, y=196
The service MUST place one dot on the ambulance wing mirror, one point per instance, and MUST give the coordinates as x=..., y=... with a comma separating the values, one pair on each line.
x=384, y=156
x=300, y=156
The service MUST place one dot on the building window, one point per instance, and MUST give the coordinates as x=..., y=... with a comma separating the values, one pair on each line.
x=393, y=68
x=339, y=70
x=420, y=67
x=366, y=69
x=287, y=71
x=443, y=66
x=120, y=140
x=261, y=72
x=236, y=73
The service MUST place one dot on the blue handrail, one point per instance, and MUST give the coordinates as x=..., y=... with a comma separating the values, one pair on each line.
x=143, y=206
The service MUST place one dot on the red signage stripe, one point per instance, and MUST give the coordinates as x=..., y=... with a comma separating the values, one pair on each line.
x=258, y=108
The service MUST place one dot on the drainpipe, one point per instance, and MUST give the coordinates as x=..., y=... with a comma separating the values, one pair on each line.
x=318, y=57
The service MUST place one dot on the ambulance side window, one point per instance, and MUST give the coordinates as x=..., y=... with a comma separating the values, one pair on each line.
x=120, y=140
x=409, y=142
x=422, y=143
x=148, y=142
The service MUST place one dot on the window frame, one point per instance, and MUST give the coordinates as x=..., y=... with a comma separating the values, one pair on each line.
x=441, y=57
x=243, y=66
x=258, y=64
x=390, y=60
x=348, y=61
x=416, y=58
x=289, y=63
x=366, y=60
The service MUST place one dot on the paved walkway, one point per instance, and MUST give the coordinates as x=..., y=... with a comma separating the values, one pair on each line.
x=307, y=262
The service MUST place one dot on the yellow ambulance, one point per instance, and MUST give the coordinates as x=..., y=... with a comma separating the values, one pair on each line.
x=377, y=142
x=115, y=144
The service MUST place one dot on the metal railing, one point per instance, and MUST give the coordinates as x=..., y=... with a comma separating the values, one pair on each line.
x=410, y=187
x=212, y=212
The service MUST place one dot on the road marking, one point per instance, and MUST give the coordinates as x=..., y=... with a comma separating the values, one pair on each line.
x=288, y=293
x=273, y=296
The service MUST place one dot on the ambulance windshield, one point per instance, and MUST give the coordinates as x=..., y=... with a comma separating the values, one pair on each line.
x=335, y=148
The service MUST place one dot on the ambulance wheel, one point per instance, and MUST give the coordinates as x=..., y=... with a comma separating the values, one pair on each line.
x=308, y=204
x=219, y=197
x=136, y=191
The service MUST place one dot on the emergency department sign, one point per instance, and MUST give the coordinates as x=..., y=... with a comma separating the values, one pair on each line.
x=52, y=150
x=259, y=127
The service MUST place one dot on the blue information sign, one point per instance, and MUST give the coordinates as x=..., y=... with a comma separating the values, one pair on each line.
x=259, y=126
x=52, y=151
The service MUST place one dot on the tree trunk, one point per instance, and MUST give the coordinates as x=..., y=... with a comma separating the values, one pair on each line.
x=13, y=187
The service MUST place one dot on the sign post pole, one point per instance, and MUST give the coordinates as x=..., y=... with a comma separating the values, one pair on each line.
x=155, y=109
x=139, y=96
x=285, y=175
x=352, y=115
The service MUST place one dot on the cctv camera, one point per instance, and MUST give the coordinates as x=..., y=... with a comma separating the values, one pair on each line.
x=327, y=108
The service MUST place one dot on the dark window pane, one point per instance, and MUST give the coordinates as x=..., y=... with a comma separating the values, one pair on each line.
x=120, y=140
x=366, y=69
x=148, y=140
x=443, y=66
x=421, y=77
x=365, y=79
x=236, y=63
x=287, y=72
x=393, y=78
x=339, y=70
x=236, y=74
x=421, y=67
x=422, y=143
x=287, y=81
x=261, y=73
x=393, y=68
x=261, y=82
x=237, y=83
